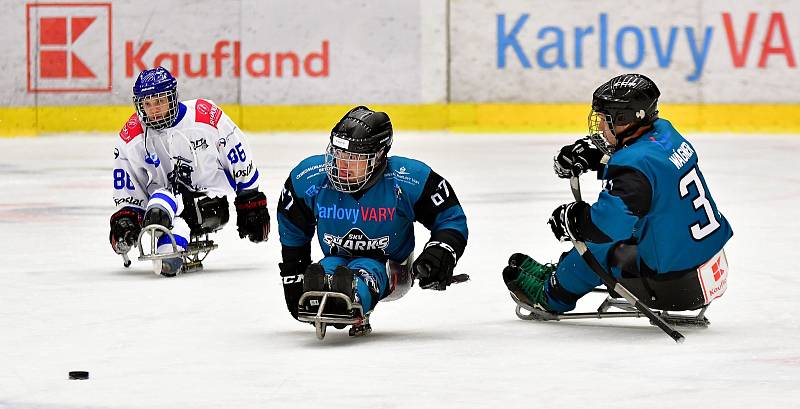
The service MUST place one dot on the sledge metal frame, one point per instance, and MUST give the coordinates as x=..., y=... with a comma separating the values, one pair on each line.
x=196, y=251
x=626, y=311
x=321, y=319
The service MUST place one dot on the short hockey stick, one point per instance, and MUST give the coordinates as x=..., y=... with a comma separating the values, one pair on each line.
x=612, y=282
x=455, y=279
x=123, y=249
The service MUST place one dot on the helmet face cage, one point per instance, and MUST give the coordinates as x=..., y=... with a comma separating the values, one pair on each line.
x=349, y=171
x=164, y=103
x=596, y=132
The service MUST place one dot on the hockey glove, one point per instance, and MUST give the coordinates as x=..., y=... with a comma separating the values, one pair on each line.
x=576, y=159
x=295, y=262
x=564, y=221
x=126, y=224
x=434, y=267
x=252, y=215
x=292, y=276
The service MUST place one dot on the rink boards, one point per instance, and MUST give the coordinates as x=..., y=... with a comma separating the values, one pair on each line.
x=484, y=66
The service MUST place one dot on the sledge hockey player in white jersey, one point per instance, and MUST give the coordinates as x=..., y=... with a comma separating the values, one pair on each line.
x=363, y=205
x=175, y=164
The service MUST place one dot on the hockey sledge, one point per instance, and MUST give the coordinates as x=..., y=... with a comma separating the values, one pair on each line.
x=400, y=280
x=324, y=308
x=325, y=315
x=621, y=309
x=196, y=251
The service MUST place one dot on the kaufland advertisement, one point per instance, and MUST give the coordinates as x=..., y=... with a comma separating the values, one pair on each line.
x=273, y=52
x=558, y=51
x=234, y=51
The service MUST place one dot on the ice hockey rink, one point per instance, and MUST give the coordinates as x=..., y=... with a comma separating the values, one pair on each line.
x=222, y=337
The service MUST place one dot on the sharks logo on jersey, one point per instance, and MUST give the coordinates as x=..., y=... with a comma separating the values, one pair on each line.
x=355, y=243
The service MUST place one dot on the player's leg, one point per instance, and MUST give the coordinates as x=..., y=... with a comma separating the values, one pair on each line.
x=574, y=278
x=363, y=280
x=553, y=287
x=316, y=274
x=371, y=281
x=162, y=210
x=180, y=232
x=317, y=278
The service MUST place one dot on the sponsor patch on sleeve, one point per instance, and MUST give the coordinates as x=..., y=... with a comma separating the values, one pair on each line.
x=207, y=112
x=131, y=129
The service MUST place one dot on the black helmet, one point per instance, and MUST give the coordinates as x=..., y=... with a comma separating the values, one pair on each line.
x=625, y=99
x=359, y=144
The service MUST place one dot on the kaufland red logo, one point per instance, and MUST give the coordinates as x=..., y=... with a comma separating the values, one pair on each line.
x=717, y=269
x=69, y=47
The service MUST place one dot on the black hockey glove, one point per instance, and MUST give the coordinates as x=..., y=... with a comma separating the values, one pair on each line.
x=295, y=262
x=252, y=215
x=292, y=276
x=564, y=221
x=126, y=224
x=434, y=267
x=578, y=158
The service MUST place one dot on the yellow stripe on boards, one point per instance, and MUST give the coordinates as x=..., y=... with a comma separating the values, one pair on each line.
x=457, y=117
x=17, y=121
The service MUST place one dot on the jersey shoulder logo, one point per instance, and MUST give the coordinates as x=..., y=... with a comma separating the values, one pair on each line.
x=132, y=129
x=207, y=113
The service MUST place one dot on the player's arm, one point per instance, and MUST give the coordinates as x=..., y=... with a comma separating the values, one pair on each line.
x=439, y=210
x=236, y=158
x=627, y=198
x=296, y=226
x=130, y=200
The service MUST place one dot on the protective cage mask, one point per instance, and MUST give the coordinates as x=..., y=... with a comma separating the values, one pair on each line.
x=166, y=121
x=596, y=132
x=348, y=171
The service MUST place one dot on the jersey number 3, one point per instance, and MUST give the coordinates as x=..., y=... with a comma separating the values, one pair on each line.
x=701, y=201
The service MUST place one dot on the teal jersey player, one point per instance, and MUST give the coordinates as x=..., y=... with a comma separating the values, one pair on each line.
x=655, y=225
x=362, y=204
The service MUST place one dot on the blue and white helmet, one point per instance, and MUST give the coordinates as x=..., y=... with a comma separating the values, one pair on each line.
x=156, y=92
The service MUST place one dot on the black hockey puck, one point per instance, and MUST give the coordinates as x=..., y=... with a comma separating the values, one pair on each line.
x=79, y=375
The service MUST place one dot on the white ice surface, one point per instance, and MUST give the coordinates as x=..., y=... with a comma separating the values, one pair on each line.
x=222, y=338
